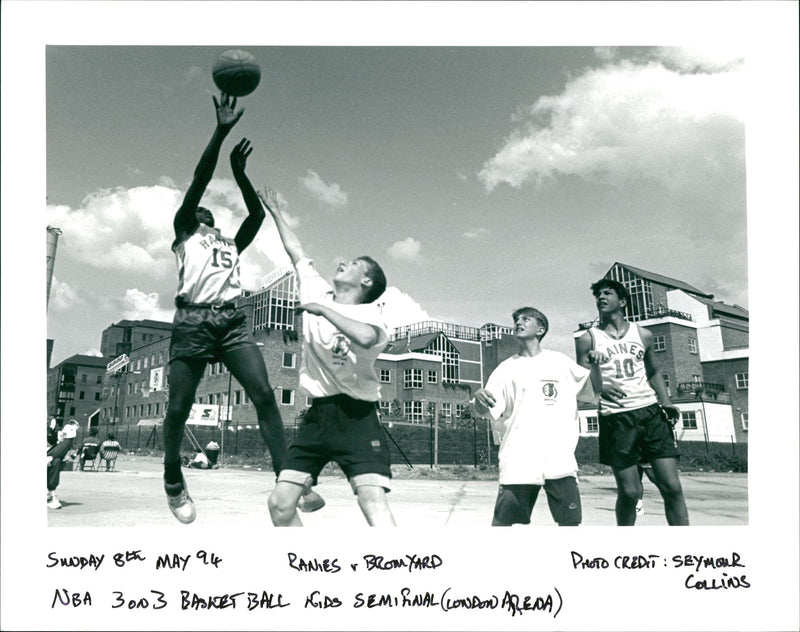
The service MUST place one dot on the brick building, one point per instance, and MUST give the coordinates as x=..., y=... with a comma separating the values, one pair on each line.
x=702, y=349
x=75, y=389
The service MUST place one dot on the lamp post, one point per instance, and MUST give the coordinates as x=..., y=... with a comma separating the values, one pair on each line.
x=699, y=394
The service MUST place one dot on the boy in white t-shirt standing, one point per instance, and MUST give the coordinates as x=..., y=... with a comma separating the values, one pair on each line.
x=532, y=400
x=343, y=334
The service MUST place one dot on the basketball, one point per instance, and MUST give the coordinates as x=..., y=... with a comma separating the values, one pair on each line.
x=236, y=73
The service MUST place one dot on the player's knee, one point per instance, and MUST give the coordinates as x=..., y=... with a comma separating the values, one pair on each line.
x=671, y=488
x=281, y=508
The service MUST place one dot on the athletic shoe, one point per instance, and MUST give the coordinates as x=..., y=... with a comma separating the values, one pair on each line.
x=311, y=501
x=639, y=507
x=179, y=501
x=52, y=501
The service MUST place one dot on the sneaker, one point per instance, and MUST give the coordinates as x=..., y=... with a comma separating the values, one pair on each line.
x=52, y=501
x=639, y=507
x=179, y=501
x=311, y=501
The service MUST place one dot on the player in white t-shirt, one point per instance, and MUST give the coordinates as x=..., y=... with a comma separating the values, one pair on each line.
x=636, y=415
x=343, y=334
x=532, y=399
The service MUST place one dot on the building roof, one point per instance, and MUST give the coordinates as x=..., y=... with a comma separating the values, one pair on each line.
x=664, y=280
x=152, y=324
x=85, y=360
x=737, y=311
x=417, y=343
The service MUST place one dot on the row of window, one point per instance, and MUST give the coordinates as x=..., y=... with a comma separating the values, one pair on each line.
x=742, y=381
x=688, y=421
x=413, y=411
x=660, y=344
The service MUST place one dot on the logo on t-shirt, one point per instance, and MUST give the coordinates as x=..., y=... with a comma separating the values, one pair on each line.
x=340, y=348
x=550, y=392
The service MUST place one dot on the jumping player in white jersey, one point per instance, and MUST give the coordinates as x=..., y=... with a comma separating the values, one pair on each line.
x=207, y=326
x=343, y=334
x=532, y=400
x=633, y=427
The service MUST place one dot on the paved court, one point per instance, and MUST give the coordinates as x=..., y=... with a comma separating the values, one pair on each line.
x=231, y=496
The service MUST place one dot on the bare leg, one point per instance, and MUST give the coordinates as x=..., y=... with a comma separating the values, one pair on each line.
x=629, y=490
x=665, y=472
x=283, y=504
x=375, y=506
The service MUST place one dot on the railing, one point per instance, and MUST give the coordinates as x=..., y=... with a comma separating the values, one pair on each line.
x=461, y=332
x=700, y=388
x=659, y=312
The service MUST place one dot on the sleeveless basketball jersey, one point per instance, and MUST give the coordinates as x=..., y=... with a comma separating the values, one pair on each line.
x=624, y=369
x=208, y=267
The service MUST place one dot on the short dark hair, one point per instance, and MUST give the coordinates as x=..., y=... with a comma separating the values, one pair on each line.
x=111, y=436
x=621, y=290
x=534, y=313
x=378, y=278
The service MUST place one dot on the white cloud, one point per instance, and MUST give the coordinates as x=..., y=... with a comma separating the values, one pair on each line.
x=328, y=194
x=399, y=309
x=94, y=351
x=676, y=118
x=62, y=295
x=137, y=305
x=475, y=233
x=409, y=249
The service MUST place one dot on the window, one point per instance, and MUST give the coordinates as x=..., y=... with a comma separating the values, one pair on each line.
x=692, y=344
x=82, y=395
x=83, y=378
x=72, y=410
x=592, y=425
x=237, y=398
x=460, y=408
x=288, y=360
x=287, y=396
x=447, y=410
x=745, y=421
x=138, y=364
x=689, y=419
x=130, y=388
x=659, y=343
x=386, y=376
x=432, y=377
x=742, y=380
x=161, y=357
x=97, y=396
x=99, y=379
x=385, y=407
x=157, y=409
x=144, y=362
x=412, y=411
x=309, y=400
x=666, y=383
x=412, y=378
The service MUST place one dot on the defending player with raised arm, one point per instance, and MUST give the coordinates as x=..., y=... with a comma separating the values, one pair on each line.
x=207, y=326
x=531, y=399
x=343, y=334
x=633, y=426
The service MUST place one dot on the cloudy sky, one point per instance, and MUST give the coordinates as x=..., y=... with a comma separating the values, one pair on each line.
x=482, y=178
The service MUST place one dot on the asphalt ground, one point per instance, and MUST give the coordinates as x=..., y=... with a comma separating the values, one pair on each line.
x=237, y=497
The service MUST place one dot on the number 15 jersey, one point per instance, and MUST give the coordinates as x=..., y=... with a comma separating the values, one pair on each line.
x=624, y=369
x=208, y=267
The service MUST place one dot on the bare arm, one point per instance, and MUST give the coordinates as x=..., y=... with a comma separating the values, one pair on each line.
x=655, y=377
x=591, y=359
x=363, y=334
x=255, y=212
x=185, y=220
x=290, y=241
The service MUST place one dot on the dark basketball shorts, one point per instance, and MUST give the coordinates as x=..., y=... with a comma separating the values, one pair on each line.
x=346, y=431
x=204, y=333
x=514, y=504
x=633, y=436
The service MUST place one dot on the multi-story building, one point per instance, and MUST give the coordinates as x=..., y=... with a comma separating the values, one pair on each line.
x=702, y=349
x=118, y=339
x=75, y=389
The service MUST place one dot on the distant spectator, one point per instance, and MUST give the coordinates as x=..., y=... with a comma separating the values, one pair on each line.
x=109, y=450
x=89, y=448
x=55, y=457
x=200, y=461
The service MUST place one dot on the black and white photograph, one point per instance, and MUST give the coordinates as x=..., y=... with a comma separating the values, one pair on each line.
x=443, y=267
